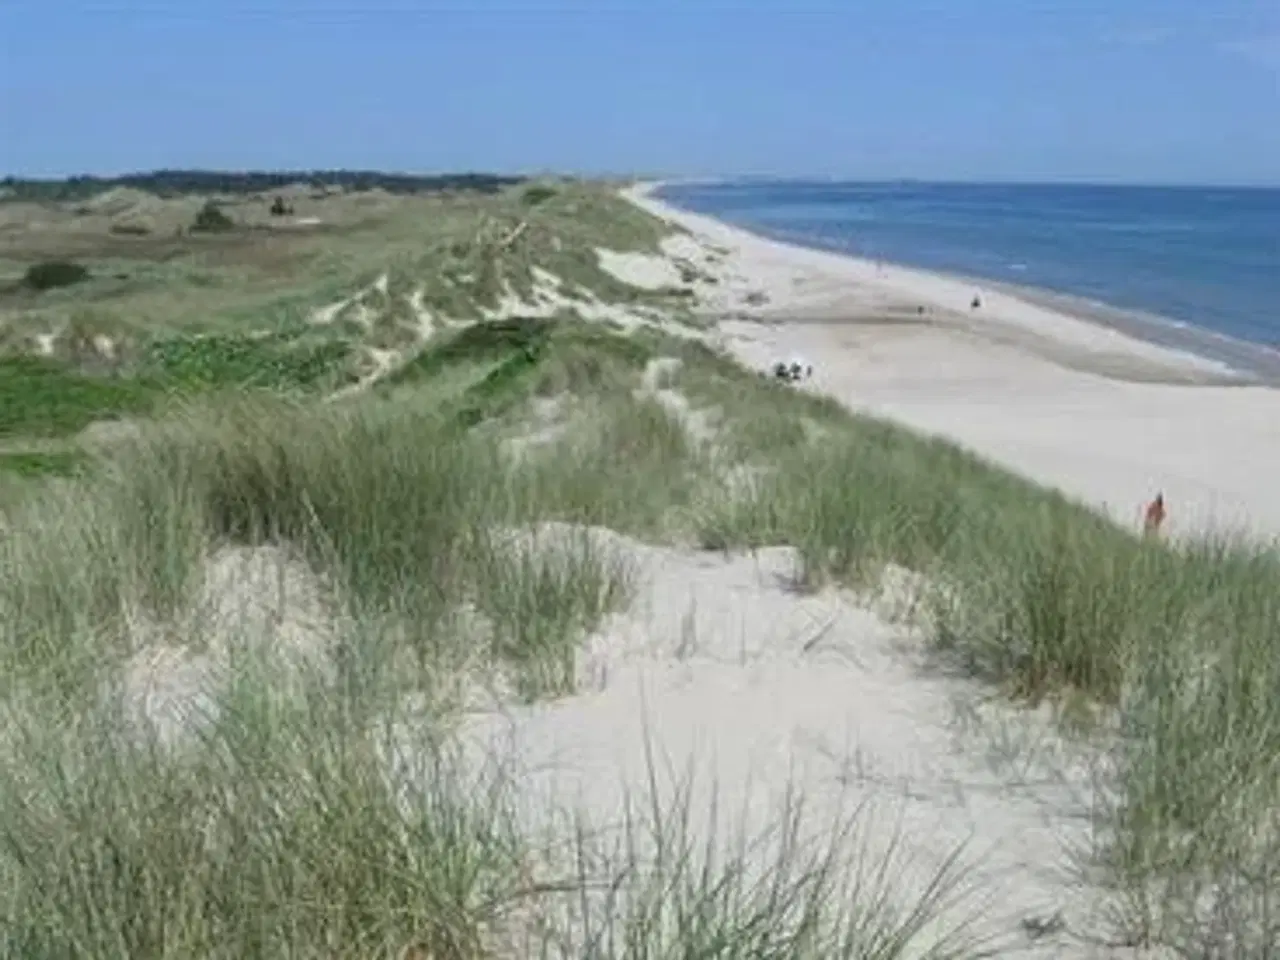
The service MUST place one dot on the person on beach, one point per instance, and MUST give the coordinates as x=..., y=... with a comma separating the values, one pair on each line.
x=800, y=369
x=1153, y=518
x=795, y=369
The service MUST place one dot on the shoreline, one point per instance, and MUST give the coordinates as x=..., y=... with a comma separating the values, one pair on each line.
x=1255, y=363
x=1084, y=401
x=1233, y=360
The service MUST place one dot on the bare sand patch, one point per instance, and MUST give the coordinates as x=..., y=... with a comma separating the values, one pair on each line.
x=327, y=314
x=550, y=419
x=645, y=271
x=252, y=602
x=724, y=687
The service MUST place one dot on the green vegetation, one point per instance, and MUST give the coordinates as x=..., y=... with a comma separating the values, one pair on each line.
x=281, y=361
x=211, y=219
x=58, y=463
x=538, y=193
x=445, y=257
x=522, y=356
x=130, y=229
x=44, y=398
x=168, y=183
x=53, y=273
x=401, y=515
x=1172, y=647
x=48, y=397
x=401, y=511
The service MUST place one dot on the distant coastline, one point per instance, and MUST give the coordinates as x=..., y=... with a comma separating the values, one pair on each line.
x=1257, y=363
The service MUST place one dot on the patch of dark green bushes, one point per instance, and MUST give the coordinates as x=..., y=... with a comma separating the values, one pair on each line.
x=52, y=274
x=211, y=219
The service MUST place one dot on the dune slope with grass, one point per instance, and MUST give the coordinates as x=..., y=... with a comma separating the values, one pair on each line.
x=1058, y=396
x=551, y=628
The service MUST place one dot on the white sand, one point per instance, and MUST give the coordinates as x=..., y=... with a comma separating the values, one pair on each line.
x=252, y=601
x=724, y=677
x=1103, y=416
x=721, y=670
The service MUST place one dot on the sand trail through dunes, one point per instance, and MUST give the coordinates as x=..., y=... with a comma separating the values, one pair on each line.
x=726, y=691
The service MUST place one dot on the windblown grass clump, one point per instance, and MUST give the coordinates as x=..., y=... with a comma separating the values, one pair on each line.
x=274, y=822
x=1169, y=645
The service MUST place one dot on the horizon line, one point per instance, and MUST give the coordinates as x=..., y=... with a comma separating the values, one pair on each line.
x=661, y=179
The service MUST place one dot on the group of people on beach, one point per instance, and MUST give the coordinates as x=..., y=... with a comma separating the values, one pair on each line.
x=792, y=370
x=796, y=369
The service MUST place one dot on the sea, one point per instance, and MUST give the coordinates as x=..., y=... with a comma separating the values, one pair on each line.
x=1194, y=267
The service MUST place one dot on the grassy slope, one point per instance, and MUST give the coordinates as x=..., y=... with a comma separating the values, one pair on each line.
x=390, y=497
x=187, y=318
x=44, y=397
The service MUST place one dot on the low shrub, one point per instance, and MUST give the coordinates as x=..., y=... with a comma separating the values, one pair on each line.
x=211, y=219
x=51, y=274
x=537, y=194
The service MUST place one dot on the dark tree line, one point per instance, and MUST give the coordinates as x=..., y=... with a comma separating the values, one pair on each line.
x=175, y=183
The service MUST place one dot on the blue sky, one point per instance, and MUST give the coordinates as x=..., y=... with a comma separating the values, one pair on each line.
x=1131, y=90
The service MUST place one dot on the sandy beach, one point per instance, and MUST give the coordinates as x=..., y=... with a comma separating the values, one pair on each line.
x=1061, y=398
x=683, y=694
x=724, y=688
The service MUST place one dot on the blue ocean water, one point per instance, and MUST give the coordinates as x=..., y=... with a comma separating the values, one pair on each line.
x=1202, y=256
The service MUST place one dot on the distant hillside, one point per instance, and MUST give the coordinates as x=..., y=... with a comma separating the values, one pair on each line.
x=173, y=183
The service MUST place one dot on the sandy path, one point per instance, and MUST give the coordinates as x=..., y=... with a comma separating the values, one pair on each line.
x=724, y=672
x=715, y=672
x=1071, y=403
x=724, y=676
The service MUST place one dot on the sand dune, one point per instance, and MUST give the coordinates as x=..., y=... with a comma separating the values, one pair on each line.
x=1072, y=403
x=714, y=672
x=725, y=690
x=722, y=671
